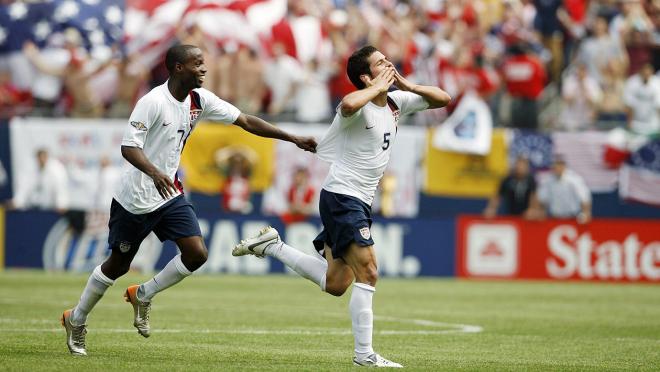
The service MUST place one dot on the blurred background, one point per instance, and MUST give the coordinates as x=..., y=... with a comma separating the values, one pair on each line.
x=545, y=165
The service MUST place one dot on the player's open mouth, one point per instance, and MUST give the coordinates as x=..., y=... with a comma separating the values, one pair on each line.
x=200, y=79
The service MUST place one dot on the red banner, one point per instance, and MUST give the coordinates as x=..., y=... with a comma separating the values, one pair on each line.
x=606, y=249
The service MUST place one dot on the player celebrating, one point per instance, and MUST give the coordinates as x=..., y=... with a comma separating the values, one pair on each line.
x=358, y=144
x=150, y=198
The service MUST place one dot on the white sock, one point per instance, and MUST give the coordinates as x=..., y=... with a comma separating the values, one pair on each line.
x=308, y=266
x=174, y=272
x=94, y=290
x=362, y=317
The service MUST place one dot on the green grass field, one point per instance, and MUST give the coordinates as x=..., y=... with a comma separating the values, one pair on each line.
x=285, y=323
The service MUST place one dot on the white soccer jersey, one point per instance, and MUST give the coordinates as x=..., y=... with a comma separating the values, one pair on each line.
x=160, y=126
x=359, y=146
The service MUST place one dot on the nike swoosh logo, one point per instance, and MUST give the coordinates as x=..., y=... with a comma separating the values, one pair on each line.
x=166, y=124
x=369, y=127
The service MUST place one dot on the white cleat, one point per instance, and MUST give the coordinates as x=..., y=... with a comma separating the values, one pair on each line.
x=375, y=360
x=141, y=311
x=75, y=335
x=257, y=244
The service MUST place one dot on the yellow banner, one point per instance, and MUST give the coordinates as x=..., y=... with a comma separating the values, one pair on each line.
x=211, y=150
x=463, y=175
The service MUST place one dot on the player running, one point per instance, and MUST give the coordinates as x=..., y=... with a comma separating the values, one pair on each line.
x=358, y=144
x=150, y=196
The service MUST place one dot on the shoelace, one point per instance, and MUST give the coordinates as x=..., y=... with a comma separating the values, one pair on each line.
x=78, y=335
x=146, y=309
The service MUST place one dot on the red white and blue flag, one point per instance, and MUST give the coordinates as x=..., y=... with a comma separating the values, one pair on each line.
x=639, y=179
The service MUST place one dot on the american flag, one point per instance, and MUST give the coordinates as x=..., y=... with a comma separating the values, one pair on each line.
x=100, y=22
x=149, y=27
x=640, y=176
x=584, y=153
x=535, y=146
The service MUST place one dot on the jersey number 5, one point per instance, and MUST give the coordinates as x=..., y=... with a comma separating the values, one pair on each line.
x=386, y=141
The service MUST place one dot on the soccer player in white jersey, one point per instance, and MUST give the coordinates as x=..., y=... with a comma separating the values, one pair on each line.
x=149, y=197
x=358, y=144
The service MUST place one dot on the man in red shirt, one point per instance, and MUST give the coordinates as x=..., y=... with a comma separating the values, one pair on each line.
x=525, y=77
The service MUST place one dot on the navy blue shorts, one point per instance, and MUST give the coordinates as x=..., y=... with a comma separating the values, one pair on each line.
x=174, y=220
x=345, y=220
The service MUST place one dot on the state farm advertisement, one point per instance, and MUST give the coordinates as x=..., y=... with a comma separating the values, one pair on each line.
x=605, y=249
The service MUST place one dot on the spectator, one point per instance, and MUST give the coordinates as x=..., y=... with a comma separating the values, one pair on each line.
x=76, y=76
x=548, y=25
x=525, y=78
x=300, y=197
x=313, y=95
x=611, y=110
x=633, y=28
x=282, y=75
x=47, y=189
x=564, y=194
x=599, y=50
x=642, y=99
x=516, y=190
x=581, y=95
x=236, y=164
x=108, y=178
x=13, y=101
x=251, y=89
x=131, y=78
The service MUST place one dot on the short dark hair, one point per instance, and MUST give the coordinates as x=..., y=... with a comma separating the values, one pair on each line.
x=177, y=54
x=358, y=64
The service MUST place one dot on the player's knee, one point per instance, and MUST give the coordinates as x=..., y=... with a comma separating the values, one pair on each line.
x=368, y=274
x=336, y=288
x=115, y=271
x=194, y=260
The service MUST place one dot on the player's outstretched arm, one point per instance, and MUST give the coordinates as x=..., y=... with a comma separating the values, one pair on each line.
x=139, y=160
x=354, y=101
x=435, y=96
x=263, y=128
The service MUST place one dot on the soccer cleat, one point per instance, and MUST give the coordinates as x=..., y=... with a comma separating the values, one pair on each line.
x=141, y=310
x=257, y=244
x=75, y=335
x=375, y=360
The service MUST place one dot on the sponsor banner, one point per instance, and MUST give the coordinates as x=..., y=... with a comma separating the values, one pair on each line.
x=607, y=250
x=204, y=161
x=404, y=166
x=453, y=174
x=80, y=145
x=404, y=247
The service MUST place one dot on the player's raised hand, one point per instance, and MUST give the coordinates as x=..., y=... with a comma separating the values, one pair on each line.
x=305, y=143
x=164, y=185
x=401, y=82
x=384, y=80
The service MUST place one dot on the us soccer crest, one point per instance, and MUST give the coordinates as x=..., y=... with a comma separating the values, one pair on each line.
x=124, y=247
x=194, y=114
x=364, y=231
x=396, y=114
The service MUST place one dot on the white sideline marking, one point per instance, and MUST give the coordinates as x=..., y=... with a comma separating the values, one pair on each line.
x=448, y=328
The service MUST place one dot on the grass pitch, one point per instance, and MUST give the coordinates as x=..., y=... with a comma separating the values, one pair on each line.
x=285, y=323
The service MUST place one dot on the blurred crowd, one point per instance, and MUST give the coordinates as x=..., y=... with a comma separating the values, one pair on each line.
x=539, y=64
